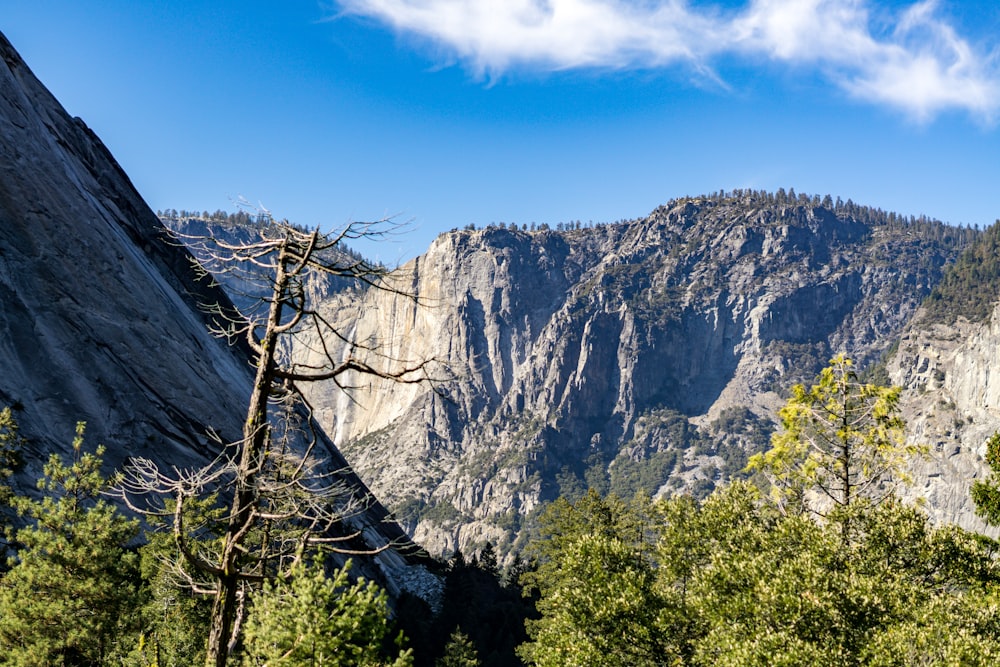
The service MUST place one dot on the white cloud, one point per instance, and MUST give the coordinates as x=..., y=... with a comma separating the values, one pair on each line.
x=494, y=35
x=916, y=63
x=805, y=31
x=927, y=68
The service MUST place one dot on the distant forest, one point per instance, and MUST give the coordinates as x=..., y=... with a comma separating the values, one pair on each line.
x=971, y=285
x=959, y=234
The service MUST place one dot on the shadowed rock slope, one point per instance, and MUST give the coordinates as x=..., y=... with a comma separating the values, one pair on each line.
x=643, y=355
x=99, y=317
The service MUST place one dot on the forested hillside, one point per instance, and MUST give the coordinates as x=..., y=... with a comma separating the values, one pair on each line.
x=971, y=286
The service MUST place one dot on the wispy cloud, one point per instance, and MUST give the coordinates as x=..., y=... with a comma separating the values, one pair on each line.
x=913, y=60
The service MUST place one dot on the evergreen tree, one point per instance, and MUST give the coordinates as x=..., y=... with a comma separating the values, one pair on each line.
x=175, y=617
x=490, y=611
x=70, y=595
x=306, y=618
x=597, y=597
x=459, y=652
x=487, y=560
x=969, y=286
x=786, y=589
x=11, y=444
x=986, y=494
x=739, y=580
x=843, y=438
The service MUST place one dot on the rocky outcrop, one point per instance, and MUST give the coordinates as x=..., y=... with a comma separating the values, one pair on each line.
x=99, y=316
x=951, y=376
x=589, y=356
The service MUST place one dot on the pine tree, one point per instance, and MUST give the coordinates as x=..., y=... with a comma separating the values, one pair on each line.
x=487, y=560
x=986, y=494
x=175, y=618
x=843, y=438
x=307, y=618
x=11, y=443
x=70, y=594
x=459, y=652
x=597, y=595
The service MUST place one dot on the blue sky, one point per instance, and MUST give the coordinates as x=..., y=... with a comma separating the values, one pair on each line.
x=449, y=112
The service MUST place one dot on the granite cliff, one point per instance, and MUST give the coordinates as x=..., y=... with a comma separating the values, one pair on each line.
x=642, y=355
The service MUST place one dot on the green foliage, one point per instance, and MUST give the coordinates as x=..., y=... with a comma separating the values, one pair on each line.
x=738, y=434
x=440, y=512
x=414, y=509
x=877, y=372
x=175, y=619
x=487, y=560
x=648, y=460
x=629, y=477
x=842, y=437
x=598, y=603
x=601, y=609
x=570, y=485
x=958, y=631
x=735, y=581
x=307, y=618
x=793, y=591
x=70, y=596
x=800, y=361
x=489, y=609
x=459, y=652
x=986, y=493
x=969, y=287
x=11, y=444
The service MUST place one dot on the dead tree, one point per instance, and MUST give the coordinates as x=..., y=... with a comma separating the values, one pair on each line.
x=281, y=499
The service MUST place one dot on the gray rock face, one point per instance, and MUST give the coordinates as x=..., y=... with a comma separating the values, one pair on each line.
x=589, y=356
x=951, y=377
x=99, y=316
x=98, y=320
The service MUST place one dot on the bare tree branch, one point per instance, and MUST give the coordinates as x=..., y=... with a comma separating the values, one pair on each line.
x=282, y=498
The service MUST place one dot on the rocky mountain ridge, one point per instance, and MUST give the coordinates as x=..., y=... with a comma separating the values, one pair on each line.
x=648, y=354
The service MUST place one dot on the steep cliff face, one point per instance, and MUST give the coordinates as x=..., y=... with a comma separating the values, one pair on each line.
x=590, y=356
x=100, y=317
x=951, y=375
x=98, y=320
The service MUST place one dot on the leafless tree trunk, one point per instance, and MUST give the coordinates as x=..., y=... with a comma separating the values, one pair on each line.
x=281, y=501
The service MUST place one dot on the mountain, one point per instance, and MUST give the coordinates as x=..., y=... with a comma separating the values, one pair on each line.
x=101, y=319
x=649, y=355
